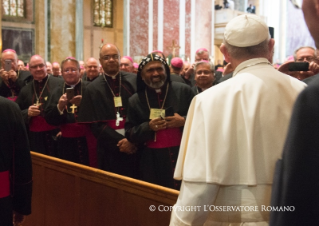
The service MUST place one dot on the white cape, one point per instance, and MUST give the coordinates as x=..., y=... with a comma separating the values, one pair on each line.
x=235, y=131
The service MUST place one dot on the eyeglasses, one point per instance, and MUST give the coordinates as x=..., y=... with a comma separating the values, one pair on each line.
x=70, y=70
x=308, y=59
x=205, y=72
x=36, y=66
x=108, y=57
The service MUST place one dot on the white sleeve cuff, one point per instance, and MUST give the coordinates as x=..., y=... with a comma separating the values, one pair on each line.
x=189, y=208
x=61, y=112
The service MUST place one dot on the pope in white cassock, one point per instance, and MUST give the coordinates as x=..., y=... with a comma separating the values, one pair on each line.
x=234, y=134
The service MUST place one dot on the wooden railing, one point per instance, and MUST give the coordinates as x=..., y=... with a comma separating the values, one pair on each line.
x=66, y=193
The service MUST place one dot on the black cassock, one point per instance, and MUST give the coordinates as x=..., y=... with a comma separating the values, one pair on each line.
x=15, y=163
x=100, y=112
x=41, y=134
x=12, y=91
x=296, y=179
x=77, y=143
x=158, y=158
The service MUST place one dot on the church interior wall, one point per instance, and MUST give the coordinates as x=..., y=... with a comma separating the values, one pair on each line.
x=93, y=35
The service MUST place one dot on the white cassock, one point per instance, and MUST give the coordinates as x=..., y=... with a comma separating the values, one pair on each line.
x=233, y=136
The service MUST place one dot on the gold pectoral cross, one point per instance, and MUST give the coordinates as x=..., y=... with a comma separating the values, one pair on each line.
x=37, y=103
x=73, y=107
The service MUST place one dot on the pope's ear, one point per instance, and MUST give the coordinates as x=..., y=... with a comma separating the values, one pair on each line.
x=224, y=51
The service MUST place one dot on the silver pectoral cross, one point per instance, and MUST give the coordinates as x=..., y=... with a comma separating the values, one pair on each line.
x=118, y=119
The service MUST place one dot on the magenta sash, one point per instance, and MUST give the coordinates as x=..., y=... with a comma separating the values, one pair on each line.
x=38, y=124
x=13, y=98
x=73, y=130
x=4, y=184
x=166, y=138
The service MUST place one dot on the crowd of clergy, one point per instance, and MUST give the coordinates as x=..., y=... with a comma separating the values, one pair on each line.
x=165, y=120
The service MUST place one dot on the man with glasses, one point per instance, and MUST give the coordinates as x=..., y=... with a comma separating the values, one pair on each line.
x=204, y=76
x=12, y=80
x=32, y=101
x=105, y=102
x=77, y=143
x=303, y=54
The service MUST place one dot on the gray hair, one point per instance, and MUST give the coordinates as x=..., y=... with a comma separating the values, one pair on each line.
x=304, y=47
x=260, y=50
x=211, y=65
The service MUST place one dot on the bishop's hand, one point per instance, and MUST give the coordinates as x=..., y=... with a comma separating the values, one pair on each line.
x=4, y=76
x=175, y=121
x=18, y=218
x=76, y=100
x=157, y=124
x=33, y=110
x=126, y=146
x=12, y=75
x=63, y=101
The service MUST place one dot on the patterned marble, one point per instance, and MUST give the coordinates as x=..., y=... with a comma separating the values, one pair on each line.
x=139, y=27
x=171, y=26
x=155, y=24
x=40, y=27
x=297, y=31
x=203, y=24
x=62, y=29
x=187, y=29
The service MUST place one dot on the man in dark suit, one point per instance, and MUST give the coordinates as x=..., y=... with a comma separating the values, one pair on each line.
x=296, y=180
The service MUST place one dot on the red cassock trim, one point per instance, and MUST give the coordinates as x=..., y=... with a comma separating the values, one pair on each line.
x=74, y=130
x=112, y=124
x=13, y=98
x=166, y=138
x=4, y=184
x=38, y=124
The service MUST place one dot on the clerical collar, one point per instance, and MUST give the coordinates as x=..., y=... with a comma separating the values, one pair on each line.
x=250, y=63
x=113, y=77
x=43, y=80
x=73, y=85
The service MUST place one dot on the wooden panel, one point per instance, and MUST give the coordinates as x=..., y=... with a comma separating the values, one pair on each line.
x=66, y=193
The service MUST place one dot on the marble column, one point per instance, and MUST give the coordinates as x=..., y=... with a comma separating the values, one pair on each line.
x=126, y=32
x=40, y=18
x=79, y=30
x=62, y=29
x=202, y=26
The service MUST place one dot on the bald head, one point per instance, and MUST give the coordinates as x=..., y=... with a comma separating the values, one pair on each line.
x=56, y=69
x=92, y=68
x=11, y=55
x=37, y=67
x=49, y=67
x=110, y=59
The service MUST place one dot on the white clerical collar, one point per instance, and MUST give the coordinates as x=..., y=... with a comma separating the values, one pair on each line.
x=73, y=85
x=158, y=90
x=113, y=77
x=250, y=63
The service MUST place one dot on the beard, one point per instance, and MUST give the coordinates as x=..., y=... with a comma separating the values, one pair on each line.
x=156, y=85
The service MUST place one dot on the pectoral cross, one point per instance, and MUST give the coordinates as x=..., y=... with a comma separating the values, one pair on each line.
x=118, y=119
x=37, y=103
x=174, y=47
x=73, y=107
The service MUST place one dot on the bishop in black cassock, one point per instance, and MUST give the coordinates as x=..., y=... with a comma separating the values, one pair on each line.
x=32, y=101
x=77, y=143
x=105, y=102
x=155, y=119
x=15, y=163
x=13, y=81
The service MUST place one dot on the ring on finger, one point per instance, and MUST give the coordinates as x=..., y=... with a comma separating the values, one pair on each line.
x=156, y=126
